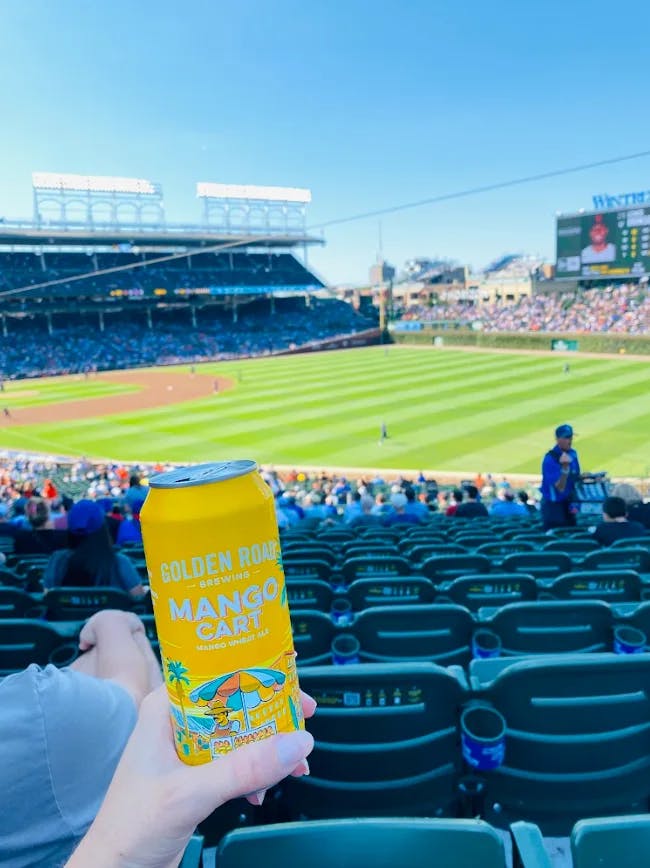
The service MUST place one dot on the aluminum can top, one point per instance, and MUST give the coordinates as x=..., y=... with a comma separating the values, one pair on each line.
x=202, y=474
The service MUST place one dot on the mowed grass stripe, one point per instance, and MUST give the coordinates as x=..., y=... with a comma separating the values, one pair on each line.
x=443, y=407
x=17, y=399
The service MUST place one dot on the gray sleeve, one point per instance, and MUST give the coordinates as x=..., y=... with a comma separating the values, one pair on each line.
x=87, y=722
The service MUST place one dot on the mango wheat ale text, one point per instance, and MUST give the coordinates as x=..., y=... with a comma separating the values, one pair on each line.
x=220, y=605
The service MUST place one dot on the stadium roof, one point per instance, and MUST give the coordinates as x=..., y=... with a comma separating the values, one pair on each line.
x=27, y=234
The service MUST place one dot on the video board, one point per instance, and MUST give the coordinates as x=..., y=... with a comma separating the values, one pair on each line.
x=604, y=244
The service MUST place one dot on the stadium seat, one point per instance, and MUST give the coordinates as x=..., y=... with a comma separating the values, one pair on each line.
x=24, y=641
x=611, y=842
x=386, y=736
x=407, y=543
x=335, y=537
x=542, y=565
x=309, y=594
x=386, y=591
x=537, y=538
x=553, y=627
x=419, y=553
x=445, y=569
x=503, y=548
x=312, y=637
x=439, y=634
x=571, y=547
x=370, y=549
x=375, y=565
x=11, y=579
x=15, y=603
x=577, y=738
x=612, y=586
x=74, y=604
x=309, y=551
x=358, y=843
x=634, y=542
x=471, y=542
x=306, y=568
x=493, y=589
x=624, y=558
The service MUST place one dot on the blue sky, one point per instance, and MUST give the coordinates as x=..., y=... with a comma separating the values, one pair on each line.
x=369, y=103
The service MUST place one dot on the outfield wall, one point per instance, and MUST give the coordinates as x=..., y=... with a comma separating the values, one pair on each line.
x=638, y=345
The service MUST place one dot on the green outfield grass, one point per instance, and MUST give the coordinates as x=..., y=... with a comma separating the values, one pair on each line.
x=55, y=390
x=445, y=410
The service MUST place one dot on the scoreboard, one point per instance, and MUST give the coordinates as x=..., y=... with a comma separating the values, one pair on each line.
x=604, y=244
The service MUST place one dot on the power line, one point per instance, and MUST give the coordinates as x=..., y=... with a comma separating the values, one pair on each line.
x=486, y=188
x=392, y=209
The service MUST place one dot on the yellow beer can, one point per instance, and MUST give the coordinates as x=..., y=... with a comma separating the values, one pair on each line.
x=220, y=605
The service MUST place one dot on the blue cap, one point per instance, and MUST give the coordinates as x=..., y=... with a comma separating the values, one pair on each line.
x=564, y=431
x=85, y=517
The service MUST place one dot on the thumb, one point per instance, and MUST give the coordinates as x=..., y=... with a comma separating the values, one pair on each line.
x=254, y=767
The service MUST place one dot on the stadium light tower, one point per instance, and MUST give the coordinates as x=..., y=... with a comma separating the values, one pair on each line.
x=253, y=209
x=95, y=201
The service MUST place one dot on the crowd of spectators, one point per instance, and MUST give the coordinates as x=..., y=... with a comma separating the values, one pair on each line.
x=623, y=309
x=38, y=494
x=76, y=344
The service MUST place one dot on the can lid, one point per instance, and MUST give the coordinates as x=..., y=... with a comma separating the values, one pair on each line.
x=202, y=474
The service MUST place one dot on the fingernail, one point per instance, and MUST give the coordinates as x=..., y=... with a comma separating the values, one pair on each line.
x=293, y=746
x=306, y=767
x=259, y=795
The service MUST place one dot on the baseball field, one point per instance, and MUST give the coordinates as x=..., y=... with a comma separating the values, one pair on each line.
x=445, y=410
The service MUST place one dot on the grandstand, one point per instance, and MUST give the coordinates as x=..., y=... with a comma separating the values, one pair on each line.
x=109, y=289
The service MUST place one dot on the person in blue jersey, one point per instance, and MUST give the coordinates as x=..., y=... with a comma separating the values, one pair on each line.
x=560, y=472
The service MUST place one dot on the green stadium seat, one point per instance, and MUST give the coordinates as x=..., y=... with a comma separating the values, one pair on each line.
x=572, y=547
x=624, y=558
x=192, y=857
x=553, y=627
x=611, y=842
x=309, y=551
x=15, y=603
x=542, y=565
x=11, y=579
x=370, y=549
x=635, y=542
x=306, y=568
x=358, y=843
x=577, y=738
x=496, y=551
x=408, y=543
x=440, y=634
x=335, y=537
x=612, y=586
x=419, y=553
x=493, y=589
x=471, y=542
x=74, y=604
x=309, y=594
x=446, y=569
x=538, y=538
x=386, y=736
x=312, y=637
x=372, y=566
x=24, y=641
x=386, y=591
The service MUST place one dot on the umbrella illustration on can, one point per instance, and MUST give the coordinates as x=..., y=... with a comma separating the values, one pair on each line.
x=242, y=690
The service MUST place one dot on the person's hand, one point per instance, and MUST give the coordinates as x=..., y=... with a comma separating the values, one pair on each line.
x=106, y=622
x=155, y=801
x=565, y=460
